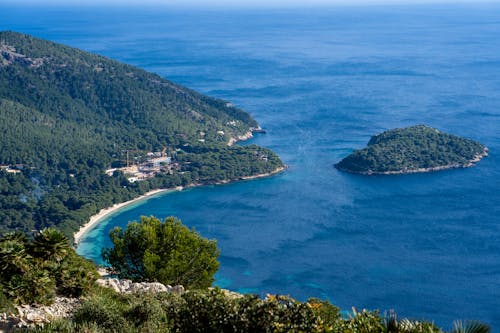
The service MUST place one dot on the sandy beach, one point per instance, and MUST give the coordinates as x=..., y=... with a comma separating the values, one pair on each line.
x=103, y=213
x=95, y=219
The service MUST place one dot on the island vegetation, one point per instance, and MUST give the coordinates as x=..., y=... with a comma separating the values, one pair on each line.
x=413, y=149
x=81, y=132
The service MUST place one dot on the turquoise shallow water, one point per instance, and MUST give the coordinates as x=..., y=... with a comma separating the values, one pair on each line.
x=321, y=82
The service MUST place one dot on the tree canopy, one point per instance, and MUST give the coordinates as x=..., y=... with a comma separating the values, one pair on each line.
x=166, y=252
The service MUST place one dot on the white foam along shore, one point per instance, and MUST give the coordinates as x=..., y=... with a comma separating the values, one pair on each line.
x=103, y=213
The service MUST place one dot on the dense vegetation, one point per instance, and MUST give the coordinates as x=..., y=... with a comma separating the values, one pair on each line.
x=216, y=311
x=34, y=271
x=411, y=149
x=67, y=115
x=166, y=252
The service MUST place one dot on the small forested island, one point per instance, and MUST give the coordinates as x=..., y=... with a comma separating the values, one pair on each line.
x=81, y=132
x=413, y=149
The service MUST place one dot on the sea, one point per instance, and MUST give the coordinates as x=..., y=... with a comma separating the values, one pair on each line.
x=321, y=82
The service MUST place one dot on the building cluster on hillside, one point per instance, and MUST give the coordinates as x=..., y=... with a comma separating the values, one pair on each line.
x=153, y=164
x=14, y=169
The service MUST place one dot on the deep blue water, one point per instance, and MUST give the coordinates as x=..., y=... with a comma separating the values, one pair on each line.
x=321, y=82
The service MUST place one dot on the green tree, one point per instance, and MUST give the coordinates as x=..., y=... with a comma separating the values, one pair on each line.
x=51, y=243
x=166, y=252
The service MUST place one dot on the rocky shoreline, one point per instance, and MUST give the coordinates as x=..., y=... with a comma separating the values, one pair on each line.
x=469, y=164
x=246, y=136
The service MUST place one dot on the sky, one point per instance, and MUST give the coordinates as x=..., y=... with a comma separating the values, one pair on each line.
x=247, y=3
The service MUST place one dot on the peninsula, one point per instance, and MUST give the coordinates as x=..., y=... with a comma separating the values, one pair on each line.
x=82, y=133
x=413, y=149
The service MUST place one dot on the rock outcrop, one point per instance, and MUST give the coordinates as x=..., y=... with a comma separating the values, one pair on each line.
x=128, y=287
x=32, y=315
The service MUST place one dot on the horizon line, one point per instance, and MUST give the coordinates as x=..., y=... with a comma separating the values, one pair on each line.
x=218, y=4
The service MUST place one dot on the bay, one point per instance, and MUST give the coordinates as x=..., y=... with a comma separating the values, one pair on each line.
x=321, y=82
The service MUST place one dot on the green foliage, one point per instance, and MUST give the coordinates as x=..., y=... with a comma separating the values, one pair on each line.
x=67, y=115
x=216, y=310
x=107, y=311
x=51, y=244
x=393, y=325
x=410, y=149
x=66, y=326
x=327, y=313
x=414, y=326
x=471, y=326
x=361, y=322
x=33, y=287
x=34, y=271
x=102, y=315
x=146, y=314
x=167, y=252
x=6, y=305
x=215, y=164
x=75, y=276
x=205, y=311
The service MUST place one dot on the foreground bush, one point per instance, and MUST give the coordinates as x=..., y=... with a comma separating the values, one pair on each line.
x=220, y=311
x=34, y=271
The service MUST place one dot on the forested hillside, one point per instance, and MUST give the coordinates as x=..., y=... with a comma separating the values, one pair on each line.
x=67, y=115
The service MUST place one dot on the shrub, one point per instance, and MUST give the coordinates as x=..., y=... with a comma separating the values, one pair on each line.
x=293, y=316
x=147, y=315
x=66, y=326
x=32, y=271
x=6, y=305
x=392, y=325
x=471, y=326
x=215, y=311
x=205, y=311
x=98, y=313
x=361, y=322
x=75, y=276
x=327, y=313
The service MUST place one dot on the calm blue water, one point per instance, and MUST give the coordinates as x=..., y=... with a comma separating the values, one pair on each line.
x=321, y=82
